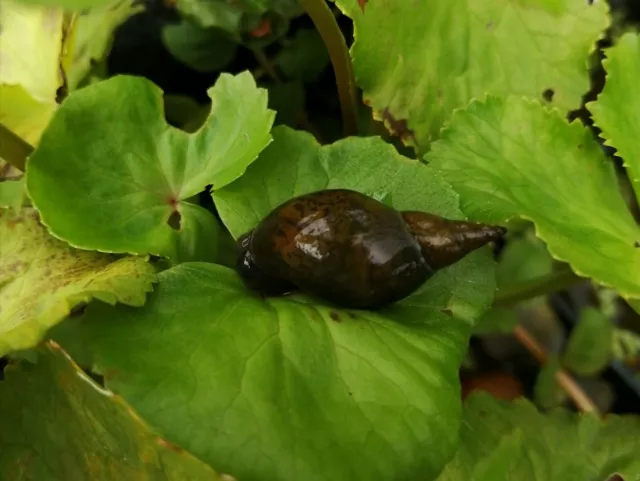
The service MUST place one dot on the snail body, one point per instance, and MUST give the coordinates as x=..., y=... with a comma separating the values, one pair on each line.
x=352, y=250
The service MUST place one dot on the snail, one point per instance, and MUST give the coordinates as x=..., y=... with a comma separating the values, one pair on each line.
x=352, y=250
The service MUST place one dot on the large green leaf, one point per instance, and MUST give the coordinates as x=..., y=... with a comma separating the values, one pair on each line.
x=297, y=164
x=30, y=48
x=292, y=388
x=512, y=157
x=616, y=109
x=418, y=61
x=502, y=440
x=111, y=175
x=42, y=279
x=57, y=424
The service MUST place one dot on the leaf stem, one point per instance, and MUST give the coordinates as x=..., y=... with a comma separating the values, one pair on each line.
x=536, y=287
x=13, y=149
x=265, y=64
x=569, y=385
x=327, y=26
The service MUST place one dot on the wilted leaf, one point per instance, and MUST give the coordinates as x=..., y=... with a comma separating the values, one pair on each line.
x=59, y=425
x=30, y=49
x=91, y=35
x=42, y=279
x=75, y=5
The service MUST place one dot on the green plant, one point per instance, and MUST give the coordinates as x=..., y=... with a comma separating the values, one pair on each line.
x=115, y=244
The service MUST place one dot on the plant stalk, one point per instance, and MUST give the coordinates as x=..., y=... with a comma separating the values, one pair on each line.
x=577, y=395
x=13, y=149
x=540, y=286
x=327, y=26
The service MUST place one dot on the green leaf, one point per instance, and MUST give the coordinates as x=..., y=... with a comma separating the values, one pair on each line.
x=417, y=62
x=295, y=164
x=12, y=193
x=239, y=18
x=292, y=388
x=511, y=157
x=202, y=49
x=546, y=391
x=58, y=424
x=304, y=57
x=91, y=36
x=199, y=235
x=590, y=345
x=524, y=258
x=212, y=13
x=30, y=48
x=561, y=446
x=118, y=192
x=42, y=279
x=282, y=389
x=616, y=110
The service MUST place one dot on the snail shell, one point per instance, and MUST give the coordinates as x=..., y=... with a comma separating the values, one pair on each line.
x=352, y=250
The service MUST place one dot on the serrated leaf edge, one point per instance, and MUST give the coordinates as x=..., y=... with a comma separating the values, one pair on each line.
x=574, y=124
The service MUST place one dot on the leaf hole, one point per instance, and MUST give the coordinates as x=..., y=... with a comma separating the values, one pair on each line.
x=174, y=220
x=636, y=244
x=547, y=95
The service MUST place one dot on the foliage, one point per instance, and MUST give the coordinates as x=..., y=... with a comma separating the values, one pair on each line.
x=508, y=148
x=42, y=279
x=121, y=191
x=616, y=108
x=433, y=57
x=119, y=241
x=590, y=344
x=30, y=50
x=66, y=425
x=514, y=441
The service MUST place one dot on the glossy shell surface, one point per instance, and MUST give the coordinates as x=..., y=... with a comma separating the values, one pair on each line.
x=342, y=246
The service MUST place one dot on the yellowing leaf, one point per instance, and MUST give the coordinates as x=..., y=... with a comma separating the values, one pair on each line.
x=30, y=47
x=42, y=279
x=59, y=425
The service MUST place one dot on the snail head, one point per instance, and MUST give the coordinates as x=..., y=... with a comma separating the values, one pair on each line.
x=254, y=277
x=443, y=241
